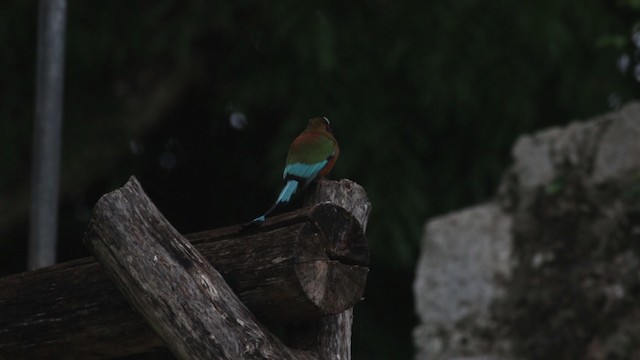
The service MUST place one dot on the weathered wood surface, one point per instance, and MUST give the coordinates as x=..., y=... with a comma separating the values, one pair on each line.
x=315, y=266
x=75, y=310
x=330, y=337
x=181, y=296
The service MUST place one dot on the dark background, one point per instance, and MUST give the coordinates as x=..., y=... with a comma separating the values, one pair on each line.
x=425, y=98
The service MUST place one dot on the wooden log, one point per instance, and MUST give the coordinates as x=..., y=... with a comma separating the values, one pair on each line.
x=315, y=265
x=330, y=337
x=303, y=264
x=69, y=311
x=181, y=296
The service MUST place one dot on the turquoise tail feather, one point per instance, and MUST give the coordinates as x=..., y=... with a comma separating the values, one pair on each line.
x=287, y=191
x=285, y=196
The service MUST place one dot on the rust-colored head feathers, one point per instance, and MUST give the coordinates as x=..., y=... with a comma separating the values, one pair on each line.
x=319, y=124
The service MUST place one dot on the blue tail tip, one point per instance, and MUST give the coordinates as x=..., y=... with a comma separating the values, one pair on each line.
x=255, y=222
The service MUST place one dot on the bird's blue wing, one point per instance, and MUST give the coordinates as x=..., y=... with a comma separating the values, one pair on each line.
x=304, y=171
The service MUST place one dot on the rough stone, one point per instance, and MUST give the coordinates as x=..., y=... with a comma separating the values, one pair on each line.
x=463, y=256
x=550, y=268
x=619, y=150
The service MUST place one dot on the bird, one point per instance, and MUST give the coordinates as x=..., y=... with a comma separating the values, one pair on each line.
x=311, y=155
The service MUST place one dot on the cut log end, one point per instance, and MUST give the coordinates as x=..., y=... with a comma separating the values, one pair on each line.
x=331, y=257
x=333, y=277
x=346, y=242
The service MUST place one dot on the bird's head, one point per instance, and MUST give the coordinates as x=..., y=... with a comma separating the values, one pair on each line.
x=319, y=124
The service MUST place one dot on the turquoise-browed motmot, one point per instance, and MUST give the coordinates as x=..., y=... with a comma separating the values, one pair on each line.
x=311, y=155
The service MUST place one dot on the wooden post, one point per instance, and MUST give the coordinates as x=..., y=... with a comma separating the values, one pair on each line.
x=330, y=337
x=299, y=265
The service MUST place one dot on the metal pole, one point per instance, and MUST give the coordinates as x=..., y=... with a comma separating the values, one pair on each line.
x=45, y=176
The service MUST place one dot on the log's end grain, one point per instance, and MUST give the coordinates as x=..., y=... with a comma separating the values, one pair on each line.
x=331, y=285
x=345, y=239
x=334, y=274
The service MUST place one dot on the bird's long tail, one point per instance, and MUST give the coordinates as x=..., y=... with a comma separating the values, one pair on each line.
x=285, y=196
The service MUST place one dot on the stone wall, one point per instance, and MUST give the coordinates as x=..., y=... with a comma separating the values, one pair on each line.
x=551, y=268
